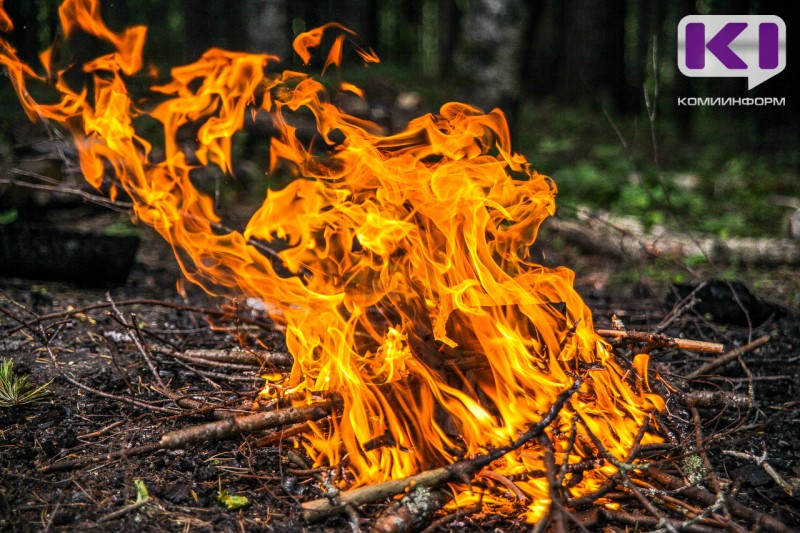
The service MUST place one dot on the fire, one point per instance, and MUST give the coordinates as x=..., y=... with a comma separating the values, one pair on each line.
x=412, y=292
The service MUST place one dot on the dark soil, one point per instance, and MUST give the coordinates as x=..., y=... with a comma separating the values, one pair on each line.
x=94, y=348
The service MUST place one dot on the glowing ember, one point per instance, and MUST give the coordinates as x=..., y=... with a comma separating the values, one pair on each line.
x=414, y=296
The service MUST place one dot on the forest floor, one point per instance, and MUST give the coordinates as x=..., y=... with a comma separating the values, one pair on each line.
x=95, y=349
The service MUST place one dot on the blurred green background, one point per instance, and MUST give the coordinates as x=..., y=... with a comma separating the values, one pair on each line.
x=590, y=88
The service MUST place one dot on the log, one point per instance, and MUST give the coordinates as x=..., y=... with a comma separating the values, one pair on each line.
x=626, y=238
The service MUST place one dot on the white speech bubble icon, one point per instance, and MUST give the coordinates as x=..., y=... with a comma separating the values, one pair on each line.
x=732, y=46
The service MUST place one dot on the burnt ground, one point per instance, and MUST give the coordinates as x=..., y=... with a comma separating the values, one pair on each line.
x=94, y=348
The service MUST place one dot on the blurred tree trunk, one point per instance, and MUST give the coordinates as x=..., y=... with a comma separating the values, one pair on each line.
x=449, y=25
x=681, y=85
x=361, y=16
x=776, y=127
x=210, y=23
x=543, y=49
x=594, y=59
x=646, y=29
x=269, y=28
x=487, y=58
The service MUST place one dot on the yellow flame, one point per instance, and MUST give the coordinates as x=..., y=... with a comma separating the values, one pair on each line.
x=412, y=293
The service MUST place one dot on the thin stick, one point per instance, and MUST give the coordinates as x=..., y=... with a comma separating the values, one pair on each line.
x=730, y=356
x=458, y=513
x=94, y=391
x=240, y=359
x=717, y=398
x=79, y=462
x=661, y=340
x=123, y=510
x=624, y=468
x=762, y=462
x=134, y=335
x=643, y=521
x=610, y=483
x=507, y=483
x=122, y=303
x=681, y=308
x=700, y=448
x=556, y=497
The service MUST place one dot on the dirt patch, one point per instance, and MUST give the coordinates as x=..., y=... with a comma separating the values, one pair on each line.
x=94, y=348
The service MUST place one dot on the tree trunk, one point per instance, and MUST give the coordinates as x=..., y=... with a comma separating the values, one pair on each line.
x=594, y=62
x=488, y=55
x=269, y=28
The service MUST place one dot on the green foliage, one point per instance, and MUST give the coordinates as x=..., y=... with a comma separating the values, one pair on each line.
x=232, y=502
x=18, y=390
x=9, y=216
x=713, y=188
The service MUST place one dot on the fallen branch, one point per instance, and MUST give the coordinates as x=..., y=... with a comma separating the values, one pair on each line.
x=661, y=340
x=460, y=471
x=730, y=356
x=412, y=512
x=716, y=399
x=238, y=356
x=626, y=238
x=217, y=430
x=230, y=427
x=792, y=490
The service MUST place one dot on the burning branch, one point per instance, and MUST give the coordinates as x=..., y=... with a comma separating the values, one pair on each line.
x=461, y=471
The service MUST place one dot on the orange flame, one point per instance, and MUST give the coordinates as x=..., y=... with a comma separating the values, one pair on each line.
x=5, y=21
x=413, y=293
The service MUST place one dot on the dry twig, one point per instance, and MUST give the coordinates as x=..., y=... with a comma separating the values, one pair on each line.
x=642, y=521
x=661, y=340
x=760, y=520
x=730, y=356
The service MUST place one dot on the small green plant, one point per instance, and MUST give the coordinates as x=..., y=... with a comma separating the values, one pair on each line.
x=229, y=500
x=17, y=390
x=141, y=491
x=121, y=228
